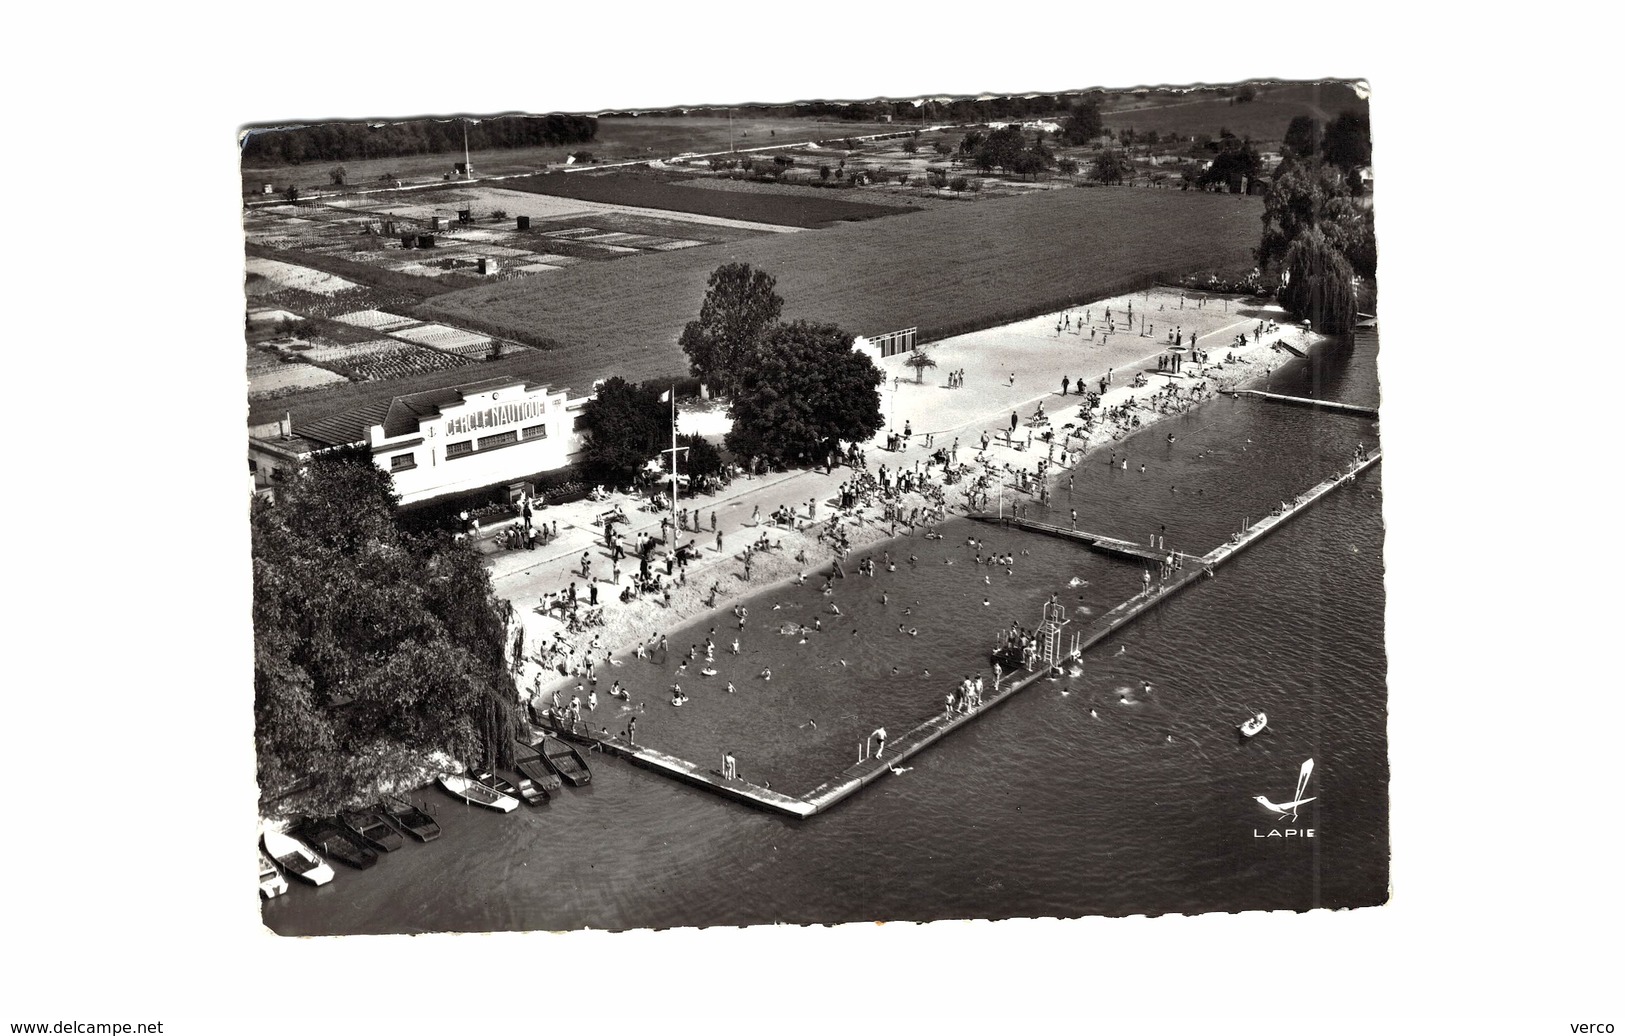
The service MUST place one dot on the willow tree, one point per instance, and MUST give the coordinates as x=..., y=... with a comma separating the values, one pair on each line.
x=373, y=649
x=1319, y=283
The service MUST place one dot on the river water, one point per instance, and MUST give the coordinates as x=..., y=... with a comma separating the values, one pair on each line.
x=1084, y=795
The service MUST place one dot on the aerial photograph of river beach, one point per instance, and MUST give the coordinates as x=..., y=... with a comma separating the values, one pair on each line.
x=940, y=507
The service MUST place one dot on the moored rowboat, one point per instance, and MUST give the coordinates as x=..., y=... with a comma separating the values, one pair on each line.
x=412, y=820
x=338, y=842
x=1253, y=725
x=371, y=827
x=297, y=858
x=564, y=760
x=476, y=794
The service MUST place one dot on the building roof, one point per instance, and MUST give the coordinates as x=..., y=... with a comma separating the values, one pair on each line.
x=345, y=428
x=402, y=415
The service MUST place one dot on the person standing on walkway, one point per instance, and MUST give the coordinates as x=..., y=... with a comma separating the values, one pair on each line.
x=1014, y=420
x=730, y=768
x=1074, y=519
x=1065, y=383
x=586, y=564
x=719, y=543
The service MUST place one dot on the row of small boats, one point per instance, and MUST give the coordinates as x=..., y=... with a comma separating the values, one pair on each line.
x=357, y=837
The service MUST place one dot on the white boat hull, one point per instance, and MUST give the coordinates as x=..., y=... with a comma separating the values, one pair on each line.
x=297, y=858
x=476, y=794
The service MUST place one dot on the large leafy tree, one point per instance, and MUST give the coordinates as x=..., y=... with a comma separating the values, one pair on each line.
x=1347, y=144
x=1002, y=148
x=624, y=426
x=808, y=390
x=740, y=307
x=1307, y=195
x=1302, y=139
x=702, y=458
x=1110, y=167
x=1231, y=165
x=1083, y=124
x=372, y=648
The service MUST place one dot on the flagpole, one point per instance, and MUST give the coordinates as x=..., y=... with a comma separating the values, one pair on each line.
x=673, y=393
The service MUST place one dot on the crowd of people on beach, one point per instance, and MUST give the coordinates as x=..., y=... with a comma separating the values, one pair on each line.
x=900, y=495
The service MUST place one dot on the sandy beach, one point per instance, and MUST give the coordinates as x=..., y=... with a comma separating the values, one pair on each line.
x=1031, y=350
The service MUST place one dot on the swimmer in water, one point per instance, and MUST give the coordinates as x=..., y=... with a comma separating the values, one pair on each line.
x=913, y=632
x=1093, y=714
x=818, y=624
x=767, y=674
x=1123, y=650
x=984, y=602
x=884, y=597
x=730, y=686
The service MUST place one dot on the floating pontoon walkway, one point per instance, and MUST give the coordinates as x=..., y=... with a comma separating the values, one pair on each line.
x=1092, y=540
x=1264, y=526
x=860, y=774
x=1318, y=404
x=689, y=773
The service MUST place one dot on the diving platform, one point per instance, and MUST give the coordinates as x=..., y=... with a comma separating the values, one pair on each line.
x=1318, y=404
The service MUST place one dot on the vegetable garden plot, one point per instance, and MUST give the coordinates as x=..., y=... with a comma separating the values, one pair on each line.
x=374, y=318
x=394, y=360
x=285, y=376
x=439, y=336
x=327, y=352
x=287, y=275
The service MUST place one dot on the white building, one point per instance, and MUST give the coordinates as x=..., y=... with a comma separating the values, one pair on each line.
x=441, y=441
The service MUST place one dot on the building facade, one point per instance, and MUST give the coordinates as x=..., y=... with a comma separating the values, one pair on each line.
x=442, y=441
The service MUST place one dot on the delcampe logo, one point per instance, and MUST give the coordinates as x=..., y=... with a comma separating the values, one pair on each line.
x=1289, y=810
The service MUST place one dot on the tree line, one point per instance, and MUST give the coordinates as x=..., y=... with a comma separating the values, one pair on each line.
x=350, y=141
x=373, y=648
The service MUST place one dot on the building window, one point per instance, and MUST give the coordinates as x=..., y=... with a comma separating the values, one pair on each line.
x=500, y=439
x=536, y=431
x=403, y=461
x=459, y=449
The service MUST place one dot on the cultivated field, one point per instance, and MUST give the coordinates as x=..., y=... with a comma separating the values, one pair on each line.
x=1264, y=119
x=949, y=270
x=651, y=190
x=619, y=139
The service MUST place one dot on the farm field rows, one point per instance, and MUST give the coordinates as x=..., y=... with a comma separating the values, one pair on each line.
x=650, y=190
x=619, y=139
x=946, y=271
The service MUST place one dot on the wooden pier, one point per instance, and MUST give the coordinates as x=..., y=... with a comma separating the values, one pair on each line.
x=1188, y=569
x=1093, y=540
x=687, y=772
x=1268, y=524
x=1318, y=404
